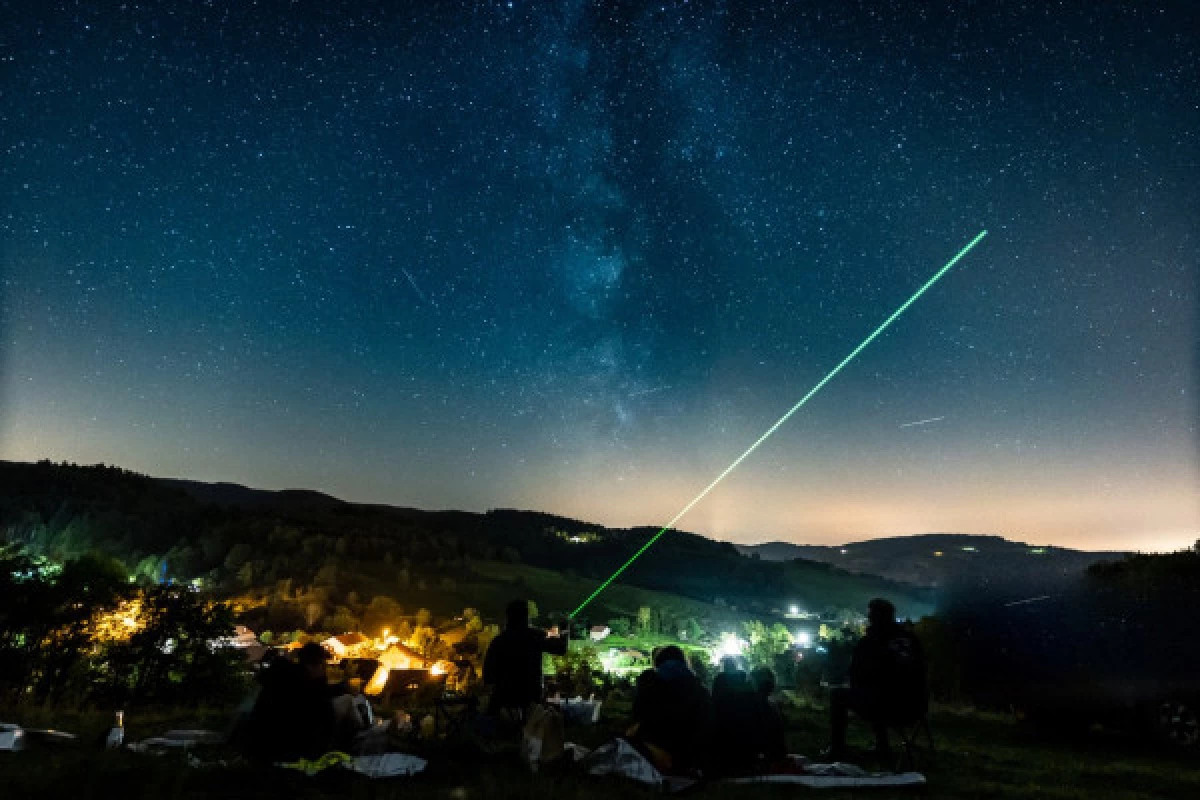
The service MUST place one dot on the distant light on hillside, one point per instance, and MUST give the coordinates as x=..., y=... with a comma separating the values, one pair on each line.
x=587, y=537
x=728, y=645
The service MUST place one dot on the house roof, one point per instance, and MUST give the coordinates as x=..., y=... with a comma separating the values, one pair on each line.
x=400, y=654
x=349, y=639
x=255, y=652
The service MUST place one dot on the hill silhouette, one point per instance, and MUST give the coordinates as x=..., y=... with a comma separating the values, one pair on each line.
x=942, y=559
x=234, y=538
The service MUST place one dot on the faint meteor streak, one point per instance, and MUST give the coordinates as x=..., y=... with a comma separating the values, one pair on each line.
x=417, y=289
x=643, y=392
x=1027, y=600
x=882, y=327
x=922, y=422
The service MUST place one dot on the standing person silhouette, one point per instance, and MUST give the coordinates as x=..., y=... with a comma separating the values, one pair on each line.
x=513, y=664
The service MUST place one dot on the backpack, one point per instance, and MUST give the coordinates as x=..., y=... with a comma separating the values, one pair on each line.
x=907, y=676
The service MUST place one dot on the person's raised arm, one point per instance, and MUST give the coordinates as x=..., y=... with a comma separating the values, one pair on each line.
x=557, y=645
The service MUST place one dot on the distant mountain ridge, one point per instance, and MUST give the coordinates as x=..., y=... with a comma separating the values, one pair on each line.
x=934, y=559
x=235, y=495
x=233, y=538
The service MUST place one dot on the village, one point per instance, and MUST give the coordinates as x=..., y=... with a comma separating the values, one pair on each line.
x=420, y=665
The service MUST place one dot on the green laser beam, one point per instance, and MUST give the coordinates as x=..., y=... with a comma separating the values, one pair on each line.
x=782, y=420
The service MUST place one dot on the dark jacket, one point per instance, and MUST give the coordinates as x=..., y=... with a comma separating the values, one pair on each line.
x=770, y=731
x=513, y=666
x=887, y=673
x=747, y=729
x=735, y=730
x=672, y=711
x=292, y=717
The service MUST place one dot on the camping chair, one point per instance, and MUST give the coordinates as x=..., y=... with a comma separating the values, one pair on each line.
x=452, y=714
x=513, y=716
x=914, y=753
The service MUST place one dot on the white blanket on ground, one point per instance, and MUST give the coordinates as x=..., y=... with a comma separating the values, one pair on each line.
x=387, y=765
x=619, y=757
x=378, y=765
x=837, y=775
x=12, y=737
x=176, y=740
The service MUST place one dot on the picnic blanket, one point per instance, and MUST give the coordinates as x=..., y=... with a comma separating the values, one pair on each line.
x=387, y=765
x=619, y=757
x=838, y=775
x=181, y=739
x=14, y=737
x=377, y=765
x=381, y=765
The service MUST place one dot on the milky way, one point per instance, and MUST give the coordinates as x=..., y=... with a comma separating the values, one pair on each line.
x=577, y=256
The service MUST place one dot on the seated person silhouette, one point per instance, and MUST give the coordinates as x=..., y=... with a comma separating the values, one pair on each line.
x=770, y=733
x=887, y=682
x=297, y=714
x=671, y=714
x=513, y=663
x=731, y=681
x=734, y=722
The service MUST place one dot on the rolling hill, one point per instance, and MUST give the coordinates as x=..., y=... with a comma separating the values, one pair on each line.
x=234, y=539
x=941, y=559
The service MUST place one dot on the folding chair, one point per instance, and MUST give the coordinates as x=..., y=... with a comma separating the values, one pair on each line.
x=453, y=715
x=914, y=754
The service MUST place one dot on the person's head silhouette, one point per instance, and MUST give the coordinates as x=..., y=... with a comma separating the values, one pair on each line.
x=516, y=614
x=881, y=613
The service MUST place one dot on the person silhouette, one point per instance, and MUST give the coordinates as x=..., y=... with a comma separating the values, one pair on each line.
x=671, y=714
x=513, y=663
x=887, y=682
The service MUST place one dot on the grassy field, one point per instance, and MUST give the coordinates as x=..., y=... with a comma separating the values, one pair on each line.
x=554, y=591
x=978, y=756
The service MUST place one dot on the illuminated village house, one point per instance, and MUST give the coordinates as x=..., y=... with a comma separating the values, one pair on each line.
x=346, y=645
x=403, y=659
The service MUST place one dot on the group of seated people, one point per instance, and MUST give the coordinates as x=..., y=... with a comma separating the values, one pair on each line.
x=682, y=727
x=677, y=723
x=298, y=713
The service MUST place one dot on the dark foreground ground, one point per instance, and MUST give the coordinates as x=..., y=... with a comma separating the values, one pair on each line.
x=978, y=756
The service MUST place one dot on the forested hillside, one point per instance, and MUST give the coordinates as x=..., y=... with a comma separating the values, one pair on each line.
x=232, y=540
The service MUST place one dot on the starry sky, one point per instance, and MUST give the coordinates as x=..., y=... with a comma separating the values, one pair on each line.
x=576, y=256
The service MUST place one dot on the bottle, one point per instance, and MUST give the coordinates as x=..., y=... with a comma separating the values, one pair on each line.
x=116, y=734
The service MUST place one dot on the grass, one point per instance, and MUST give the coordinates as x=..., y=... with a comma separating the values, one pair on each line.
x=492, y=584
x=554, y=591
x=978, y=756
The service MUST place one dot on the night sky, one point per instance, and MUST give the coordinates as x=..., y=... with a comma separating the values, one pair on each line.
x=577, y=256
